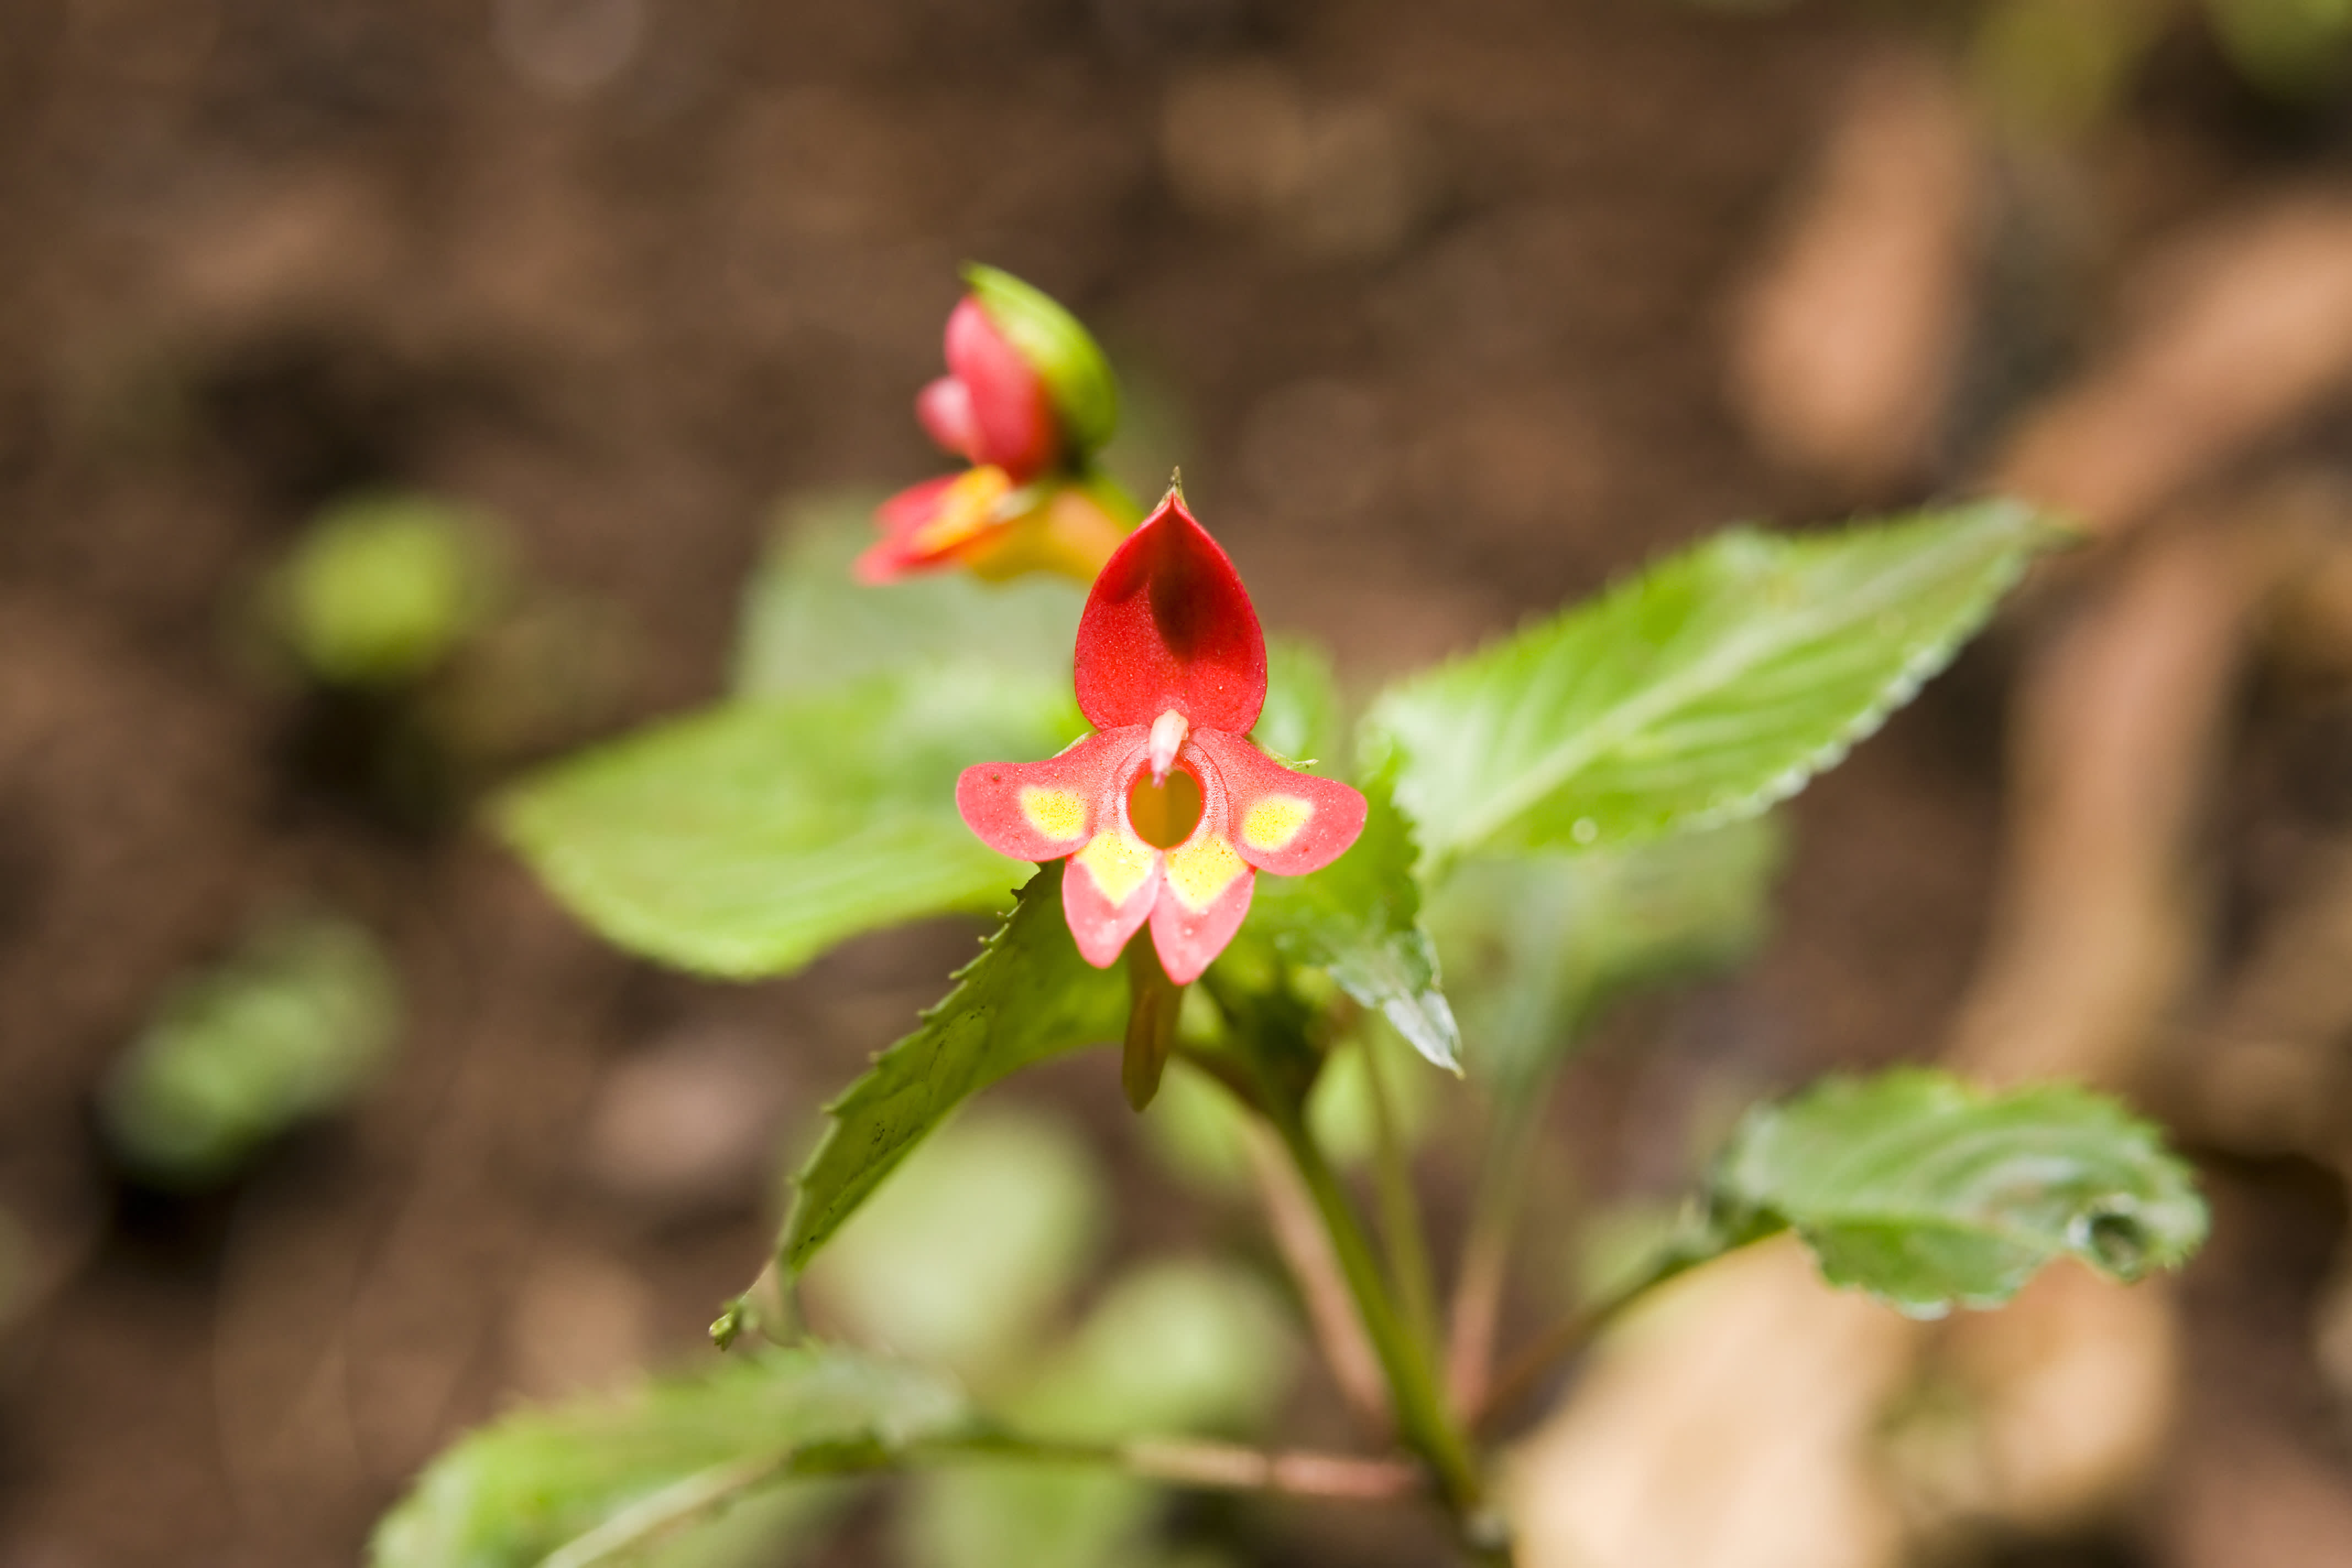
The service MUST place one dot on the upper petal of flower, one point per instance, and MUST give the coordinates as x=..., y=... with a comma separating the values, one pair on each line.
x=1169, y=625
x=1283, y=820
x=1011, y=422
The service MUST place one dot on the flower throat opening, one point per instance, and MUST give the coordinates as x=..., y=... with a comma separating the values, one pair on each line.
x=1164, y=814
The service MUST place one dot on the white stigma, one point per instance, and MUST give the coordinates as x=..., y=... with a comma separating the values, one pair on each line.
x=1167, y=733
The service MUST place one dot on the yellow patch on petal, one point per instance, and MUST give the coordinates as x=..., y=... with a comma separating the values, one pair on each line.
x=1275, y=820
x=967, y=509
x=1059, y=814
x=1117, y=863
x=1199, y=871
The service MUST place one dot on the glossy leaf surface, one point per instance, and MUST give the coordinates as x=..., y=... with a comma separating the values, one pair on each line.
x=1360, y=918
x=1929, y=1193
x=1028, y=997
x=746, y=840
x=1703, y=691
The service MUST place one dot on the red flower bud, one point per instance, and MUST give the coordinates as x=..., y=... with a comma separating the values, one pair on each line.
x=993, y=407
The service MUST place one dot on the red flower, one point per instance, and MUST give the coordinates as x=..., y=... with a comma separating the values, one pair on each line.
x=992, y=408
x=1027, y=399
x=1168, y=811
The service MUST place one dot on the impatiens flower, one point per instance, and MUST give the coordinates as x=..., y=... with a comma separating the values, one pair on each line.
x=1168, y=811
x=1027, y=400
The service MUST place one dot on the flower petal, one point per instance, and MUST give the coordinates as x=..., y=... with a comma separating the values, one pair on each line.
x=1011, y=411
x=944, y=408
x=1282, y=820
x=1169, y=625
x=934, y=523
x=1071, y=533
x=1043, y=811
x=1108, y=891
x=1204, y=897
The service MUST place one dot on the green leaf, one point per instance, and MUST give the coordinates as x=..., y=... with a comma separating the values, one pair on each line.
x=963, y=1257
x=1077, y=376
x=746, y=841
x=1175, y=1346
x=1028, y=997
x=1301, y=722
x=577, y=1483
x=1926, y=1193
x=809, y=626
x=1701, y=692
x=1360, y=918
x=1538, y=947
x=293, y=1025
x=383, y=587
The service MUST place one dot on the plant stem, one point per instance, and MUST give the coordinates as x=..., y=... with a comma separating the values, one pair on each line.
x=1172, y=1461
x=1483, y=1275
x=1402, y=1233
x=1526, y=1371
x=1422, y=1420
x=1307, y=1252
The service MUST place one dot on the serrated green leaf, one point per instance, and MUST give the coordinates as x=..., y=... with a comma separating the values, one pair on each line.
x=1539, y=946
x=574, y=1483
x=1077, y=376
x=1927, y=1192
x=1701, y=692
x=809, y=625
x=1028, y=997
x=1360, y=918
x=746, y=841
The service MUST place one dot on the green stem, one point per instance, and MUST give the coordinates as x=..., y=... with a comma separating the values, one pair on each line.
x=1401, y=1231
x=1526, y=1371
x=1484, y=1273
x=1422, y=1420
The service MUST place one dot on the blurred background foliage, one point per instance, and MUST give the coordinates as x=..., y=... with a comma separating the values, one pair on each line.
x=397, y=397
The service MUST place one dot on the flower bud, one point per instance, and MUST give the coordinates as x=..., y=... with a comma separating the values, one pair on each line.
x=1049, y=340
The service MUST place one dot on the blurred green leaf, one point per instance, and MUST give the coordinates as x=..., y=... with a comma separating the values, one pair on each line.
x=577, y=1483
x=983, y=1232
x=292, y=1026
x=808, y=627
x=1039, y=1515
x=1340, y=1109
x=1179, y=1346
x=1538, y=947
x=746, y=840
x=1175, y=1347
x=1926, y=1191
x=382, y=588
x=1028, y=997
x=1195, y=1129
x=768, y=1529
x=1701, y=692
x=1360, y=918
x=1040, y=330
x=1301, y=722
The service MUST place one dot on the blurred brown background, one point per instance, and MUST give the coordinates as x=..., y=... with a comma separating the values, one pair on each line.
x=1450, y=312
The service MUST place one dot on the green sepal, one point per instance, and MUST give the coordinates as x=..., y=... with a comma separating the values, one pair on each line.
x=1077, y=377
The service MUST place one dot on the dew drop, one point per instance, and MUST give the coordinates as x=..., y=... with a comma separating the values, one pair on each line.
x=1585, y=831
